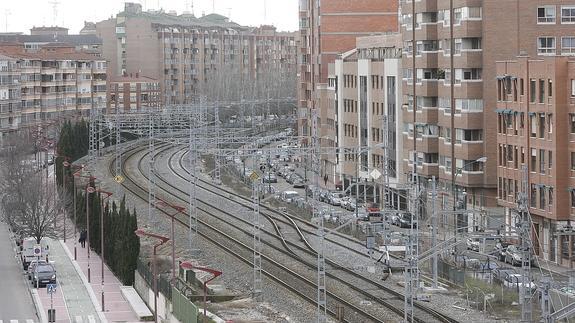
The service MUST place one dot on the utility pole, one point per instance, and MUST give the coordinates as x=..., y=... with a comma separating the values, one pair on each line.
x=386, y=195
x=321, y=288
x=55, y=4
x=217, y=161
x=434, y=230
x=193, y=164
x=411, y=252
x=151, y=172
x=525, y=238
x=545, y=300
x=257, y=293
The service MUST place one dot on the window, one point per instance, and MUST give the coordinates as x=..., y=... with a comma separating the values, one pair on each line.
x=549, y=88
x=533, y=160
x=551, y=197
x=572, y=88
x=572, y=122
x=572, y=160
x=546, y=15
x=546, y=45
x=532, y=91
x=567, y=15
x=542, y=193
x=542, y=163
x=521, y=89
x=572, y=198
x=567, y=45
x=541, y=91
x=550, y=160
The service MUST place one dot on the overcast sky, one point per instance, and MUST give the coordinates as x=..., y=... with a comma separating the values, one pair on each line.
x=24, y=14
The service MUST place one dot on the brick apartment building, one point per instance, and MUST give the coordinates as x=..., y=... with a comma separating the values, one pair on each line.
x=328, y=29
x=180, y=51
x=364, y=86
x=451, y=141
x=49, y=83
x=132, y=93
x=536, y=131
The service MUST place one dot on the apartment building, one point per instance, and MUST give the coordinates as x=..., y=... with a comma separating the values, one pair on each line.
x=183, y=51
x=458, y=145
x=536, y=148
x=329, y=28
x=133, y=93
x=364, y=101
x=41, y=36
x=51, y=83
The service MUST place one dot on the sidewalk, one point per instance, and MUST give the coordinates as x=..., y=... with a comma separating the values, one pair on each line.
x=116, y=307
x=71, y=299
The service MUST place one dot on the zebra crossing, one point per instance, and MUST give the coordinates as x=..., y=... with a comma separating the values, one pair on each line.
x=18, y=321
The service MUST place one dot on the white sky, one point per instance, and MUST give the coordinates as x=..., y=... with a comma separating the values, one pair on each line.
x=21, y=15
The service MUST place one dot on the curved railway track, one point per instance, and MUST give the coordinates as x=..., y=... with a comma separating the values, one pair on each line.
x=395, y=303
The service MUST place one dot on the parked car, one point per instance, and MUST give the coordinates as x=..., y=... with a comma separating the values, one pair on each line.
x=334, y=200
x=44, y=274
x=473, y=244
x=298, y=182
x=394, y=218
x=270, y=178
x=289, y=196
x=405, y=221
x=500, y=249
x=513, y=255
x=32, y=267
x=500, y=273
x=516, y=280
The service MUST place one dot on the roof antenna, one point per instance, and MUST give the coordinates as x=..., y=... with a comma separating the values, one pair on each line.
x=55, y=4
x=213, y=6
x=265, y=11
x=229, y=14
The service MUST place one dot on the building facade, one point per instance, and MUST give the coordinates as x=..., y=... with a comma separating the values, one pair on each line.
x=536, y=148
x=182, y=51
x=328, y=29
x=133, y=93
x=364, y=87
x=49, y=84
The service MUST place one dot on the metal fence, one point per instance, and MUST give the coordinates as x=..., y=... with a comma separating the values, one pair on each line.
x=164, y=285
x=182, y=308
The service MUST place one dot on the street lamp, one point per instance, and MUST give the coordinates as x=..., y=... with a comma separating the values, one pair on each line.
x=141, y=233
x=65, y=164
x=74, y=175
x=179, y=209
x=108, y=194
x=216, y=273
x=89, y=190
x=459, y=217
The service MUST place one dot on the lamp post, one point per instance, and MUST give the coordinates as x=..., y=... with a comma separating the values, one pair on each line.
x=74, y=175
x=179, y=209
x=215, y=273
x=459, y=217
x=89, y=190
x=108, y=194
x=141, y=233
x=65, y=164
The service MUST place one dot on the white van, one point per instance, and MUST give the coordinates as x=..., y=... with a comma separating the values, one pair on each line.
x=28, y=250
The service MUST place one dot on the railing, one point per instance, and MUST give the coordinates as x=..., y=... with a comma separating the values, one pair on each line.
x=164, y=286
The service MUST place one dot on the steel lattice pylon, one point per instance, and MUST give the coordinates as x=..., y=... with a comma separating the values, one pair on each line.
x=318, y=217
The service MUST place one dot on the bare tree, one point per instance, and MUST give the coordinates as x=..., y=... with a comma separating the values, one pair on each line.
x=31, y=204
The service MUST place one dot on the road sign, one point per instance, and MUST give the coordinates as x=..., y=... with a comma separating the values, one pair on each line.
x=263, y=168
x=254, y=176
x=37, y=250
x=119, y=179
x=375, y=174
x=90, y=189
x=51, y=288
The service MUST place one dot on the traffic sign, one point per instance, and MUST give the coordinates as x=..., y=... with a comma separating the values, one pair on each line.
x=90, y=189
x=119, y=179
x=254, y=176
x=51, y=288
x=37, y=250
x=375, y=174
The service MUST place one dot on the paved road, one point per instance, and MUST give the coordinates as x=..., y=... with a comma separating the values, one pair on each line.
x=15, y=300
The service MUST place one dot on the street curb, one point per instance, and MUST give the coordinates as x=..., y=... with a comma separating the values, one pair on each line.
x=89, y=289
x=38, y=305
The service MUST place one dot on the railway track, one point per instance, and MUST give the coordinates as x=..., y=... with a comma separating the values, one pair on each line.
x=392, y=300
x=274, y=270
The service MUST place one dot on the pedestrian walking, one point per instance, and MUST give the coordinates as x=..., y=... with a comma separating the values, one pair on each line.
x=83, y=236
